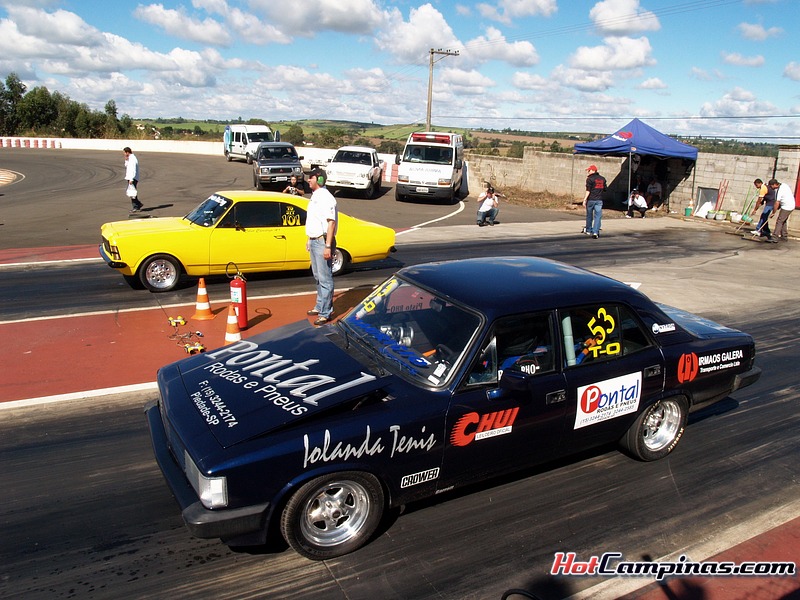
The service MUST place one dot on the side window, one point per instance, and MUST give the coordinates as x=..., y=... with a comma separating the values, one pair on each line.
x=523, y=344
x=592, y=333
x=253, y=214
x=634, y=336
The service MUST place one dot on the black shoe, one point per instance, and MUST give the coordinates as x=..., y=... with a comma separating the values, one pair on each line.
x=595, y=236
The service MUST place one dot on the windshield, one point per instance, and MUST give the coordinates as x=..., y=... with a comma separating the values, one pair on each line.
x=428, y=154
x=209, y=211
x=260, y=136
x=353, y=156
x=419, y=333
x=277, y=153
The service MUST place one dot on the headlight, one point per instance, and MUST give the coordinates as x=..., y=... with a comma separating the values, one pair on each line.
x=212, y=491
x=445, y=181
x=296, y=170
x=402, y=178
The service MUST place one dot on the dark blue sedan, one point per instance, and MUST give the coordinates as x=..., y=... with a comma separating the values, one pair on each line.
x=446, y=374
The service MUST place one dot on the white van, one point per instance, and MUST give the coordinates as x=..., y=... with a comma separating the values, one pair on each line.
x=432, y=167
x=242, y=141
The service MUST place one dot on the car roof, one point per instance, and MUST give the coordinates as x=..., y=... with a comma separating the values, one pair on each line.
x=276, y=144
x=255, y=195
x=357, y=149
x=512, y=284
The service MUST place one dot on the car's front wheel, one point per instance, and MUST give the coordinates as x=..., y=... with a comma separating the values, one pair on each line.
x=333, y=515
x=340, y=261
x=160, y=273
x=657, y=430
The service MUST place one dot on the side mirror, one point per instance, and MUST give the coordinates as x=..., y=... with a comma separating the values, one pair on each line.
x=459, y=163
x=397, y=159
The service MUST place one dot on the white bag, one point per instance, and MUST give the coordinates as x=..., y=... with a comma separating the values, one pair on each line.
x=131, y=191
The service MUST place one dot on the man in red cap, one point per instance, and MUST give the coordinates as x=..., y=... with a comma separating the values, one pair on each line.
x=593, y=201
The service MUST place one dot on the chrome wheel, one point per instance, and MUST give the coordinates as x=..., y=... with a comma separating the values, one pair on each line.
x=335, y=513
x=159, y=273
x=661, y=426
x=339, y=261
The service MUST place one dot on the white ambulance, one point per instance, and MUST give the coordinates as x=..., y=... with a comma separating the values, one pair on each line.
x=432, y=167
x=242, y=141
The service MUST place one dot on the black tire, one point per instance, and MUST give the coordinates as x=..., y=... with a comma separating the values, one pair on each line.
x=370, y=192
x=160, y=272
x=398, y=196
x=657, y=431
x=248, y=158
x=228, y=156
x=333, y=515
x=340, y=262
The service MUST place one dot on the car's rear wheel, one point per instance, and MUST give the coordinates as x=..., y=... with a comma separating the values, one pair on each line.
x=333, y=515
x=340, y=261
x=228, y=156
x=160, y=273
x=656, y=432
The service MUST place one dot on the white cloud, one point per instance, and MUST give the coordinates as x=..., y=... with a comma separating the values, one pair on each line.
x=653, y=83
x=581, y=79
x=59, y=27
x=178, y=24
x=506, y=11
x=757, y=32
x=410, y=42
x=310, y=16
x=792, y=71
x=615, y=53
x=734, y=58
x=739, y=102
x=493, y=46
x=622, y=17
x=459, y=81
x=528, y=81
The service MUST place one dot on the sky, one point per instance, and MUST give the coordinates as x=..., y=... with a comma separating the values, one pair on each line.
x=726, y=68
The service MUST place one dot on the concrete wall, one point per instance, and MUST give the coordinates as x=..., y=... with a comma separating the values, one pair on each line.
x=565, y=174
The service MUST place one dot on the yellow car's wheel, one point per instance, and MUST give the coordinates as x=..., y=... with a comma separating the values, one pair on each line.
x=340, y=261
x=160, y=273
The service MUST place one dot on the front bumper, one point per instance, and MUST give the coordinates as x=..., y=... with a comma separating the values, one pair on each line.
x=226, y=524
x=413, y=190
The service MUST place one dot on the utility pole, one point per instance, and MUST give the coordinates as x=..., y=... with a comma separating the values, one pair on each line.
x=444, y=53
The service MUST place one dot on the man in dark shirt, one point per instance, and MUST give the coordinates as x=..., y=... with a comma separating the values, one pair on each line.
x=593, y=201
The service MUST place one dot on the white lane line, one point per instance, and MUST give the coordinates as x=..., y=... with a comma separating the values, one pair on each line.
x=461, y=207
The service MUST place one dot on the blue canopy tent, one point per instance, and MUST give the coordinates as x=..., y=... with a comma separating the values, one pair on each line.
x=638, y=138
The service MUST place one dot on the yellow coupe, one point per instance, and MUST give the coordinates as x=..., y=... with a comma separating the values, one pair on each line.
x=258, y=231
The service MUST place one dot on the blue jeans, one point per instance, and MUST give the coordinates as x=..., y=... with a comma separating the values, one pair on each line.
x=323, y=274
x=594, y=214
x=490, y=215
x=763, y=222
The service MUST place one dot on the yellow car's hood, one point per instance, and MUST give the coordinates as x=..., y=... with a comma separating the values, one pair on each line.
x=146, y=227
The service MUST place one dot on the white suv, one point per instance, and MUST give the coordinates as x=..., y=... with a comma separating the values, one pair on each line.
x=356, y=168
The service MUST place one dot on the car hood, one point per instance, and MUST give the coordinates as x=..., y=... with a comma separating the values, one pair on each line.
x=269, y=381
x=145, y=226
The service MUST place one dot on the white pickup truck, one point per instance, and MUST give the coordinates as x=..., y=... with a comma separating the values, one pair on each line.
x=356, y=168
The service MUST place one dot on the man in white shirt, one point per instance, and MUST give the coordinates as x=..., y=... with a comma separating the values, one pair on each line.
x=487, y=207
x=321, y=223
x=132, y=177
x=784, y=205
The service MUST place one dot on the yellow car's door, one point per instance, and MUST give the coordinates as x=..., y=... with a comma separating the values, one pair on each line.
x=252, y=235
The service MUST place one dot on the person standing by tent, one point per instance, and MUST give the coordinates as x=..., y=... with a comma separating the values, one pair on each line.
x=593, y=201
x=784, y=205
x=654, y=200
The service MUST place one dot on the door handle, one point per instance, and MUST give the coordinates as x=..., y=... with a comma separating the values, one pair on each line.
x=280, y=237
x=653, y=371
x=556, y=397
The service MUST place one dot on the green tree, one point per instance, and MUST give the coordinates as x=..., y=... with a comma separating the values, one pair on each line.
x=112, y=128
x=12, y=94
x=293, y=135
x=37, y=110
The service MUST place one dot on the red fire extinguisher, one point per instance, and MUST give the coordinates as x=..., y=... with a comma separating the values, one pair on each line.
x=238, y=295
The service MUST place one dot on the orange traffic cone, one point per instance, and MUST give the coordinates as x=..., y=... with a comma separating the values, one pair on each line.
x=232, y=333
x=202, y=307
